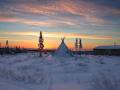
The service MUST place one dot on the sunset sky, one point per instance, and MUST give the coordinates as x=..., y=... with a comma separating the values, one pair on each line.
x=97, y=22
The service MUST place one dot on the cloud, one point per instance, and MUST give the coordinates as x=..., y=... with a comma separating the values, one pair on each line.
x=59, y=35
x=74, y=35
x=45, y=23
x=60, y=7
x=7, y=19
x=86, y=11
x=83, y=10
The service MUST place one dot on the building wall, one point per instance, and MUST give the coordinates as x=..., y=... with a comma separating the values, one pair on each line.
x=107, y=52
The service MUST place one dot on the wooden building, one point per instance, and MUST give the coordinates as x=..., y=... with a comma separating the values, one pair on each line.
x=107, y=50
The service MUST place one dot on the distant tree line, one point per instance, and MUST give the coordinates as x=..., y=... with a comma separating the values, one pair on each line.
x=9, y=50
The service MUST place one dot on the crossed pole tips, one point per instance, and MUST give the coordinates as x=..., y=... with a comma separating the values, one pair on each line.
x=63, y=38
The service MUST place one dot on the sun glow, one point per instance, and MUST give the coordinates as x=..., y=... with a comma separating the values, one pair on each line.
x=51, y=39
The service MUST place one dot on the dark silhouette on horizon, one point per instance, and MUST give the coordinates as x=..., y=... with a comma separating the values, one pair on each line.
x=40, y=45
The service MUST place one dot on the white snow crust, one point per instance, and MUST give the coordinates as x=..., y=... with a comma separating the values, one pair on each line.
x=30, y=72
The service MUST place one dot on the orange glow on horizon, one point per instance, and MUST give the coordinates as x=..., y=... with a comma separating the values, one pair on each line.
x=59, y=35
x=50, y=44
x=52, y=39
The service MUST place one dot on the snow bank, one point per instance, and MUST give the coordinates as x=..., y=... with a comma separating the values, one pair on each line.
x=56, y=73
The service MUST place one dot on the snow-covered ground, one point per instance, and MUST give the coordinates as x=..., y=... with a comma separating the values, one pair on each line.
x=30, y=72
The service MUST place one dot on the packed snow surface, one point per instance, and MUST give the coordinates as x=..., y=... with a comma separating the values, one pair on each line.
x=30, y=72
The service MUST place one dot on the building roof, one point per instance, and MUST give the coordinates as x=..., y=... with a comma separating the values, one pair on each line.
x=108, y=47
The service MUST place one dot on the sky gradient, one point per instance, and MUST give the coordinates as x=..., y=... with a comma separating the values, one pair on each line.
x=97, y=22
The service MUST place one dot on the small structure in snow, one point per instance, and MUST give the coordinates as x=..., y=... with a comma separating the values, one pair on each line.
x=107, y=50
x=63, y=50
